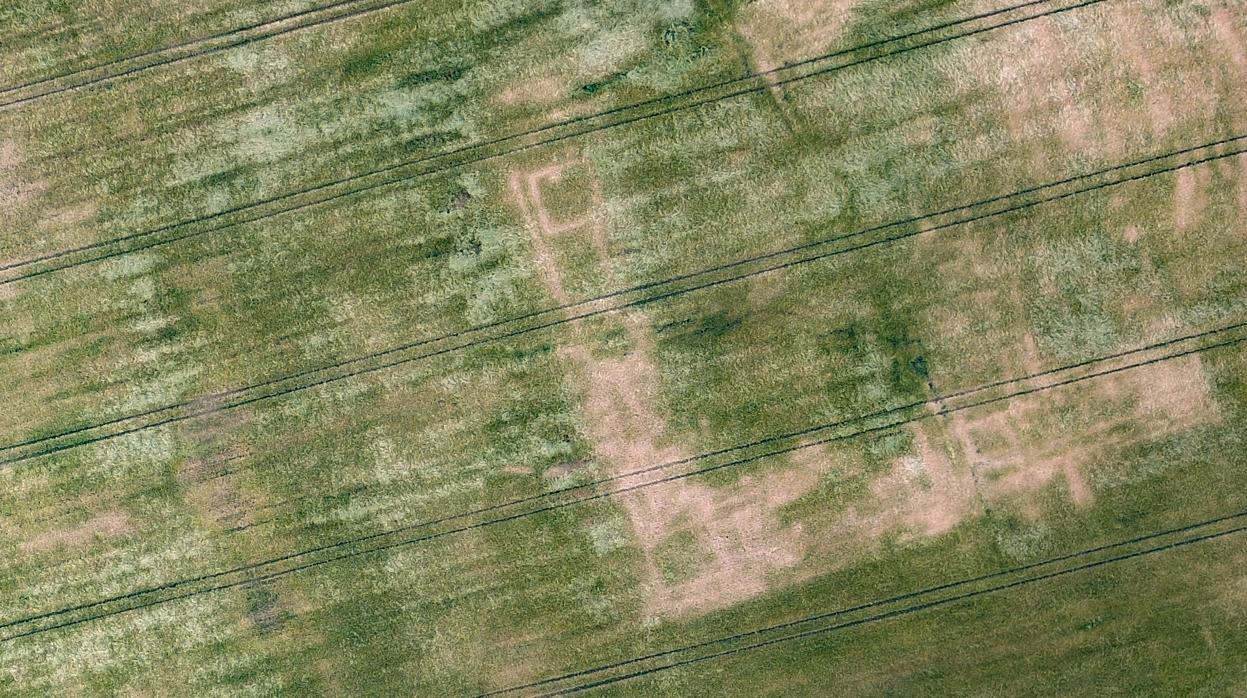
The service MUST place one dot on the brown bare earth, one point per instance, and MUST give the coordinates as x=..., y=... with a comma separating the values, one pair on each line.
x=963, y=459
x=1160, y=107
x=959, y=460
x=1036, y=88
x=736, y=526
x=927, y=491
x=1229, y=37
x=1164, y=398
x=543, y=91
x=1242, y=191
x=108, y=524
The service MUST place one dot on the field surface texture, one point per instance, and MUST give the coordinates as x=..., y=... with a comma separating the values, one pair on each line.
x=687, y=348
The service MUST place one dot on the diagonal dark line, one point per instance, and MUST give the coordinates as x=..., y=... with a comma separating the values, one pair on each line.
x=908, y=610
x=441, y=168
x=559, y=505
x=826, y=615
x=56, y=448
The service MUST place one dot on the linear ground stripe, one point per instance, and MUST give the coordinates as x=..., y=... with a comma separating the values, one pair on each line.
x=910, y=609
x=557, y=506
x=430, y=171
x=601, y=311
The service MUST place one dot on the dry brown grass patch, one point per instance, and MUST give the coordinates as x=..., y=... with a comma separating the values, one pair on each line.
x=1190, y=196
x=108, y=524
x=14, y=191
x=736, y=527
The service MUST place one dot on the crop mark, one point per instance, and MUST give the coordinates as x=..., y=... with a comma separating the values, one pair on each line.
x=1191, y=532
x=883, y=421
x=631, y=297
x=1217, y=533
x=741, y=540
x=387, y=176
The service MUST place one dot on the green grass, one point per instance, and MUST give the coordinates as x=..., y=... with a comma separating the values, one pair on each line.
x=815, y=343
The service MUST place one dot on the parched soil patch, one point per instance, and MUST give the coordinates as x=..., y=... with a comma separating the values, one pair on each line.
x=14, y=191
x=1190, y=196
x=731, y=539
x=108, y=524
x=1016, y=459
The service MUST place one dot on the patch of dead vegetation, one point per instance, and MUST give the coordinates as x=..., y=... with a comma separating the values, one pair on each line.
x=736, y=527
x=544, y=90
x=14, y=191
x=1017, y=460
x=928, y=492
x=1190, y=196
x=1036, y=89
x=1137, y=56
x=965, y=459
x=1242, y=192
x=108, y=524
x=69, y=215
x=1229, y=38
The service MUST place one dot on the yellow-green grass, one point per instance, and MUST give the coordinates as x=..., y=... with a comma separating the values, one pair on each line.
x=1036, y=289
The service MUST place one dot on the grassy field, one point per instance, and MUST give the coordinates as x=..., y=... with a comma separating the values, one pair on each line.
x=690, y=348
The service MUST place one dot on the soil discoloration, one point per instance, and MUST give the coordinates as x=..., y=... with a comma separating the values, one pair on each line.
x=1017, y=460
x=539, y=91
x=209, y=479
x=1224, y=28
x=108, y=524
x=1036, y=91
x=1242, y=192
x=783, y=32
x=14, y=191
x=925, y=492
x=1173, y=394
x=736, y=526
x=1190, y=196
x=1156, y=96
